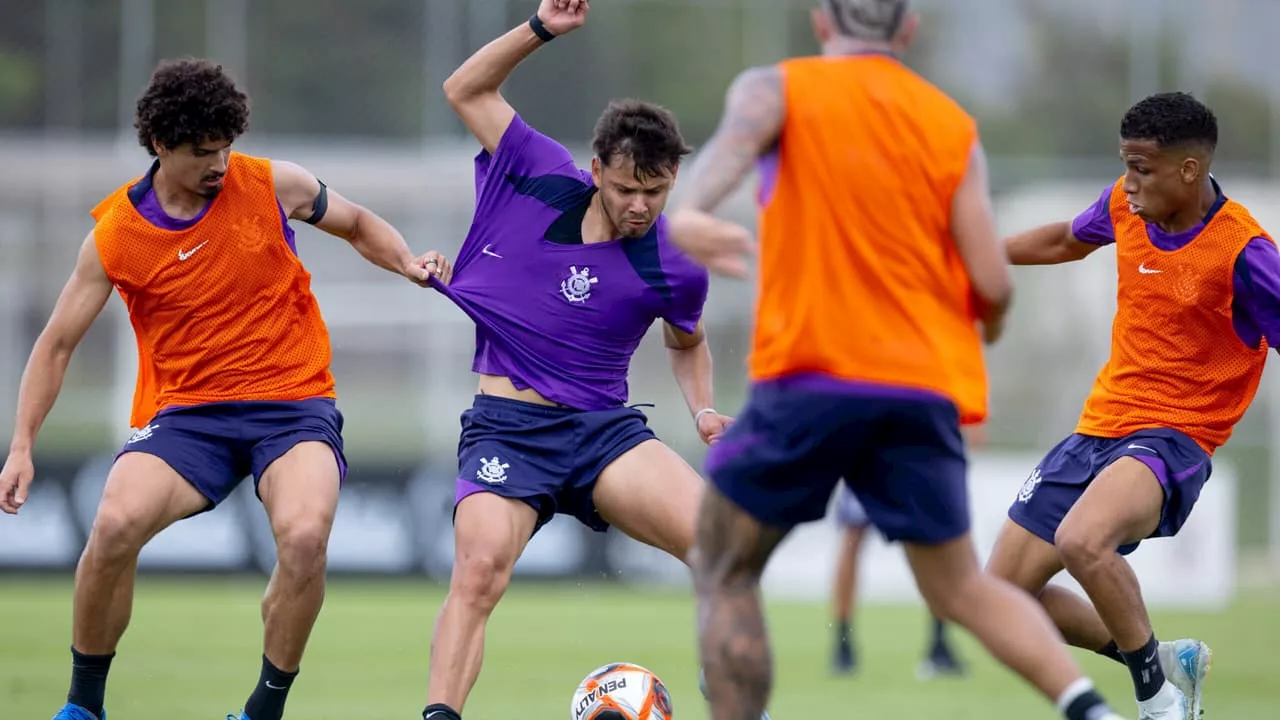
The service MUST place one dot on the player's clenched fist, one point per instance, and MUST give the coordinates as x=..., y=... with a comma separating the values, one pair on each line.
x=562, y=16
x=15, y=481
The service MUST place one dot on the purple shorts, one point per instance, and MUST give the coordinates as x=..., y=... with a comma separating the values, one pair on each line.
x=899, y=450
x=1055, y=485
x=547, y=457
x=216, y=445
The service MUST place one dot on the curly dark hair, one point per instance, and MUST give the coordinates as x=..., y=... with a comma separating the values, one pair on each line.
x=1171, y=119
x=190, y=100
x=644, y=132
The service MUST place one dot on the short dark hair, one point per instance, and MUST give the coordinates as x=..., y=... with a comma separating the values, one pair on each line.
x=1171, y=119
x=644, y=132
x=190, y=100
x=867, y=19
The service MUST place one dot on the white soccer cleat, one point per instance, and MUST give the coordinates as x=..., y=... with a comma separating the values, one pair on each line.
x=1186, y=664
x=1168, y=704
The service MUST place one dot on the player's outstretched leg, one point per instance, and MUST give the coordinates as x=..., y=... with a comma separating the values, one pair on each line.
x=845, y=596
x=729, y=557
x=1007, y=621
x=489, y=534
x=652, y=495
x=1028, y=562
x=300, y=493
x=143, y=496
x=1124, y=504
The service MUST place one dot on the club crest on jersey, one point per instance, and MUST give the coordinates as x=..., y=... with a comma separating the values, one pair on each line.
x=492, y=470
x=577, y=287
x=1029, y=486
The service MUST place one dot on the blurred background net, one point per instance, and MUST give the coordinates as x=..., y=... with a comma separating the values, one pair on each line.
x=351, y=90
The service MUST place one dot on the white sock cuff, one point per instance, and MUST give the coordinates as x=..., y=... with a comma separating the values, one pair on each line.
x=1073, y=691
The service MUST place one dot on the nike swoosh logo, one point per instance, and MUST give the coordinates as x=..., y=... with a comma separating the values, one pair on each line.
x=1142, y=268
x=486, y=251
x=1140, y=447
x=275, y=687
x=192, y=251
x=1153, y=656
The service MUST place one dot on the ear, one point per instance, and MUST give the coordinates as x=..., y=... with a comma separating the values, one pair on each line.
x=595, y=171
x=906, y=33
x=821, y=22
x=1190, y=170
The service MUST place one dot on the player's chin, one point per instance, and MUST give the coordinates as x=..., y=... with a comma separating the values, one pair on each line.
x=634, y=230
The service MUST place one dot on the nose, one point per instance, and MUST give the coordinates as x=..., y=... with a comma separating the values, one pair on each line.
x=1130, y=184
x=220, y=162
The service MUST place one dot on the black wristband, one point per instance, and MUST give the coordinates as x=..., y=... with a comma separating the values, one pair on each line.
x=535, y=23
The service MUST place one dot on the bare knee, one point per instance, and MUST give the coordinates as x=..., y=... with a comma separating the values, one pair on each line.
x=1081, y=550
x=480, y=578
x=117, y=536
x=302, y=544
x=948, y=577
x=954, y=602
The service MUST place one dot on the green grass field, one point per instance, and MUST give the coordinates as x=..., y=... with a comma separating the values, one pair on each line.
x=192, y=652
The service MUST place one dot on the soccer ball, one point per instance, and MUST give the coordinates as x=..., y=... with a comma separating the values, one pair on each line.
x=621, y=691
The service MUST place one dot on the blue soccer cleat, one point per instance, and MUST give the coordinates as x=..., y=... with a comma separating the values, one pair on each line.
x=241, y=716
x=702, y=687
x=1186, y=665
x=75, y=712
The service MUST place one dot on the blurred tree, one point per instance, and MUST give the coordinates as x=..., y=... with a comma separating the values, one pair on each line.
x=19, y=89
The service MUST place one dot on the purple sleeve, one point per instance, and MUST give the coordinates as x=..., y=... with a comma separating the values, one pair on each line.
x=1257, y=287
x=1094, y=226
x=522, y=151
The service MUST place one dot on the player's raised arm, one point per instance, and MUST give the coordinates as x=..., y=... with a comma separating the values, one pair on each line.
x=973, y=226
x=81, y=301
x=473, y=89
x=303, y=197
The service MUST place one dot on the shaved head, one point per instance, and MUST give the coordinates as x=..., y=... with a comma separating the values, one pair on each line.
x=867, y=19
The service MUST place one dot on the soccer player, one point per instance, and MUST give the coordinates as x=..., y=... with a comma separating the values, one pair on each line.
x=234, y=374
x=1198, y=302
x=879, y=261
x=563, y=271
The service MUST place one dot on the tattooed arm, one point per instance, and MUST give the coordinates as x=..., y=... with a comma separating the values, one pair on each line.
x=752, y=121
x=749, y=128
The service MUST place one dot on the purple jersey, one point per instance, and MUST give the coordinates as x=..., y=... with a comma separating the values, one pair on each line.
x=553, y=313
x=1255, y=310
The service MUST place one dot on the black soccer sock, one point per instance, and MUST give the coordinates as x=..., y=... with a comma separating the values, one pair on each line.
x=1112, y=651
x=844, y=633
x=89, y=680
x=1144, y=666
x=939, y=636
x=267, y=700
x=439, y=711
x=1081, y=702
